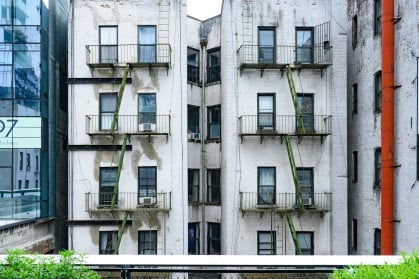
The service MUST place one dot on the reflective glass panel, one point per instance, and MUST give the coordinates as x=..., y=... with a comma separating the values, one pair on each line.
x=27, y=12
x=27, y=34
x=5, y=82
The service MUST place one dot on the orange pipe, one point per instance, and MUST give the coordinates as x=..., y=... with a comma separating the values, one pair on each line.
x=387, y=128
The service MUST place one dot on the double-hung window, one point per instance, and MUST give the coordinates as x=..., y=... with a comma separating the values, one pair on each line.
x=377, y=242
x=107, y=242
x=266, y=45
x=304, y=44
x=214, y=122
x=193, y=65
x=377, y=168
x=354, y=31
x=305, y=239
x=354, y=98
x=266, y=112
x=214, y=239
x=147, y=51
x=305, y=177
x=266, y=185
x=108, y=41
x=193, y=239
x=214, y=65
x=147, y=185
x=147, y=112
x=305, y=101
x=377, y=91
x=147, y=242
x=266, y=243
x=214, y=185
x=354, y=166
x=107, y=178
x=193, y=185
x=193, y=119
x=377, y=17
x=107, y=107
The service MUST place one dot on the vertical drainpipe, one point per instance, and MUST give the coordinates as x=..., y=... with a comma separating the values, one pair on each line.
x=387, y=128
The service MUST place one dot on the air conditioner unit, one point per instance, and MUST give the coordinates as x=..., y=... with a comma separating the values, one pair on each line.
x=196, y=136
x=147, y=201
x=147, y=127
x=307, y=201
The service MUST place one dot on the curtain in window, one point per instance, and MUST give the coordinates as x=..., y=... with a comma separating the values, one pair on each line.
x=266, y=189
x=107, y=107
x=147, y=181
x=147, y=44
x=266, y=110
x=304, y=46
x=147, y=108
x=107, y=242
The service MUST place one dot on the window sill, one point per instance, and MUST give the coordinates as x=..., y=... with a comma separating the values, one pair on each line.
x=195, y=83
x=213, y=203
x=213, y=83
x=212, y=140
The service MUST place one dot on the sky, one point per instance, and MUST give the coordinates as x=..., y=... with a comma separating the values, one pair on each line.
x=203, y=9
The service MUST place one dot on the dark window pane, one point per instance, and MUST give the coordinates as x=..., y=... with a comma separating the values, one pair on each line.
x=304, y=44
x=107, y=242
x=214, y=122
x=147, y=108
x=27, y=77
x=214, y=65
x=214, y=241
x=267, y=243
x=193, y=65
x=193, y=119
x=193, y=239
x=147, y=182
x=5, y=82
x=147, y=242
x=5, y=34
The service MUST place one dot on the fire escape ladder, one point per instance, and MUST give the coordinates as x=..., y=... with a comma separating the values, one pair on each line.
x=298, y=114
x=163, y=21
x=121, y=233
x=118, y=174
x=119, y=101
x=247, y=22
x=293, y=233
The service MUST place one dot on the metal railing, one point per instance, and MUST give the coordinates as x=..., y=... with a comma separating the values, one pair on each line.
x=284, y=55
x=128, y=201
x=284, y=125
x=24, y=206
x=128, y=124
x=134, y=54
x=285, y=202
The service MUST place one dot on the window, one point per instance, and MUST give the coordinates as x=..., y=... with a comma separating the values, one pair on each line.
x=107, y=242
x=377, y=168
x=377, y=17
x=147, y=184
x=354, y=234
x=107, y=107
x=354, y=166
x=28, y=161
x=107, y=184
x=214, y=122
x=193, y=185
x=26, y=184
x=266, y=185
x=36, y=184
x=214, y=65
x=305, y=101
x=147, y=112
x=20, y=160
x=193, y=65
x=266, y=45
x=193, y=238
x=147, y=44
x=377, y=91
x=19, y=184
x=36, y=163
x=147, y=242
x=266, y=112
x=354, y=99
x=305, y=177
x=108, y=40
x=377, y=242
x=304, y=44
x=354, y=31
x=214, y=185
x=267, y=243
x=193, y=119
x=305, y=239
x=214, y=239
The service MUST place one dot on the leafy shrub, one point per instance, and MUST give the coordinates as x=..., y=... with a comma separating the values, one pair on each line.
x=408, y=268
x=19, y=265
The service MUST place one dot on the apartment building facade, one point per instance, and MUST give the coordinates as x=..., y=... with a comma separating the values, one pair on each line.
x=369, y=117
x=223, y=136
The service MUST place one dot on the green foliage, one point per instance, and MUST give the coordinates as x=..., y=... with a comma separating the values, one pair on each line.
x=19, y=265
x=408, y=268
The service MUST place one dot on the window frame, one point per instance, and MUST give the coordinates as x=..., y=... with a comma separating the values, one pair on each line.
x=262, y=48
x=209, y=122
x=211, y=187
x=113, y=240
x=149, y=59
x=309, y=250
x=354, y=98
x=150, y=246
x=150, y=189
x=354, y=166
x=273, y=249
x=377, y=167
x=213, y=71
x=377, y=17
x=309, y=188
x=310, y=48
x=260, y=200
x=272, y=114
x=193, y=190
x=105, y=195
x=147, y=116
x=196, y=240
x=354, y=234
x=103, y=113
x=377, y=241
x=309, y=127
x=193, y=70
x=354, y=31
x=378, y=92
x=103, y=46
x=193, y=123
x=213, y=240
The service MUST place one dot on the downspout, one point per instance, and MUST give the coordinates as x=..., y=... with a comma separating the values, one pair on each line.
x=204, y=43
x=387, y=128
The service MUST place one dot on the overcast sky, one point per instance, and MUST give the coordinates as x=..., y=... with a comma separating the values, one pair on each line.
x=203, y=9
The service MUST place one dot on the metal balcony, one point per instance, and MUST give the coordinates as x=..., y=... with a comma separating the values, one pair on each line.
x=281, y=125
x=128, y=124
x=109, y=56
x=284, y=202
x=131, y=202
x=263, y=57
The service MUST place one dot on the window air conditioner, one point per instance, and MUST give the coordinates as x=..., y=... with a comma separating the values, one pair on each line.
x=147, y=201
x=307, y=201
x=147, y=127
